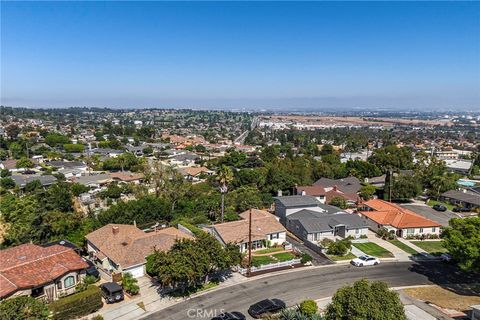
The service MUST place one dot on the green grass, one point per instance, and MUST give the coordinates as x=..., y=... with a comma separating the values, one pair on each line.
x=433, y=247
x=259, y=260
x=403, y=246
x=348, y=256
x=284, y=256
x=194, y=289
x=269, y=250
x=373, y=249
x=432, y=202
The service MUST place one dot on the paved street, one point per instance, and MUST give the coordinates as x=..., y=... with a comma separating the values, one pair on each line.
x=313, y=283
x=428, y=212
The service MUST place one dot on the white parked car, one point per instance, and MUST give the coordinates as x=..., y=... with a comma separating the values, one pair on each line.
x=365, y=261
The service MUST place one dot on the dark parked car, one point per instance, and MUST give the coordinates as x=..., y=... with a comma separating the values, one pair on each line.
x=266, y=307
x=92, y=270
x=439, y=207
x=460, y=209
x=112, y=292
x=234, y=315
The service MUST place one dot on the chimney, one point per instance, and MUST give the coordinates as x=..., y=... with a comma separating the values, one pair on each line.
x=279, y=193
x=303, y=193
x=335, y=188
x=115, y=230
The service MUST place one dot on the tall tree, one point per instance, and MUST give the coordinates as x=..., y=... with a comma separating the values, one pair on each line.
x=462, y=240
x=365, y=300
x=224, y=177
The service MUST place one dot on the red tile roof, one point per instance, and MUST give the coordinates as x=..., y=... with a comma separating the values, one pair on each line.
x=386, y=213
x=28, y=265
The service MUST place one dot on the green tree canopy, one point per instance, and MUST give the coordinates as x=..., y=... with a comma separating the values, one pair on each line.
x=462, y=240
x=23, y=307
x=365, y=300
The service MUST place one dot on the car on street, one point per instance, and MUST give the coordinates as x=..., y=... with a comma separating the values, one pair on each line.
x=234, y=315
x=460, y=209
x=365, y=261
x=266, y=307
x=112, y=292
x=439, y=207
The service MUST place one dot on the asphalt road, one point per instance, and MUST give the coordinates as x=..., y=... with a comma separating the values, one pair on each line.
x=429, y=213
x=315, y=283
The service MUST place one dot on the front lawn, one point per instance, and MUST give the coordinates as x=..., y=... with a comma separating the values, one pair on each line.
x=432, y=202
x=194, y=289
x=284, y=256
x=373, y=249
x=348, y=256
x=433, y=247
x=257, y=261
x=403, y=246
x=269, y=250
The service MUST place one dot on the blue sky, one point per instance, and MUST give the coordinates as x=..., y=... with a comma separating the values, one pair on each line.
x=230, y=54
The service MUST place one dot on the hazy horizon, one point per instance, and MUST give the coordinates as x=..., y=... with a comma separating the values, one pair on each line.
x=234, y=55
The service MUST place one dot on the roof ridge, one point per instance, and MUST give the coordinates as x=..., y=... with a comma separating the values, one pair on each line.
x=38, y=259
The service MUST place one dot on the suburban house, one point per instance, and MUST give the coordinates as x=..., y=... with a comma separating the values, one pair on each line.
x=403, y=222
x=463, y=198
x=194, y=174
x=266, y=230
x=325, y=195
x=122, y=248
x=286, y=205
x=41, y=272
x=315, y=226
x=93, y=180
x=127, y=176
x=22, y=180
x=346, y=188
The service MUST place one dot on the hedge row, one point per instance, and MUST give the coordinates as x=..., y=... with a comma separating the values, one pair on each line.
x=77, y=305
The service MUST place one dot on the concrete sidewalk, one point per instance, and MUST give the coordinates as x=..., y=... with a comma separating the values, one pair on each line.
x=152, y=299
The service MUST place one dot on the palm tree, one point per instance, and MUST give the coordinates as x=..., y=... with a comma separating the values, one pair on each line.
x=224, y=176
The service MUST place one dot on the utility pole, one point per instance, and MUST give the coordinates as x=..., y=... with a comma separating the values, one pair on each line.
x=249, y=242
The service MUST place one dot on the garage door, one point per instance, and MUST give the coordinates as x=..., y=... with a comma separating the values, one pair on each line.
x=136, y=272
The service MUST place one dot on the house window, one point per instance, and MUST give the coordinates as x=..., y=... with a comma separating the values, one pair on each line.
x=37, y=292
x=421, y=230
x=59, y=285
x=434, y=229
x=274, y=236
x=357, y=231
x=69, y=282
x=410, y=231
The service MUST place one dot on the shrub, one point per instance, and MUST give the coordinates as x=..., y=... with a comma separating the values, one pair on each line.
x=23, y=307
x=85, y=283
x=339, y=248
x=129, y=283
x=363, y=236
x=326, y=242
x=305, y=258
x=308, y=307
x=77, y=305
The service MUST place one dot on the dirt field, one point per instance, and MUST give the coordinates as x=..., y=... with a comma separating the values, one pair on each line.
x=443, y=298
x=355, y=120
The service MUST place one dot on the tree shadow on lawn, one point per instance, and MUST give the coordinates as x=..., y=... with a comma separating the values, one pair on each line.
x=449, y=276
x=214, y=278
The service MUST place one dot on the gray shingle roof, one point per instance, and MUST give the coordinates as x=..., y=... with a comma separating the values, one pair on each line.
x=22, y=180
x=467, y=196
x=346, y=185
x=298, y=201
x=314, y=221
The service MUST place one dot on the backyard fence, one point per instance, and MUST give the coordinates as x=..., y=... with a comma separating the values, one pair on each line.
x=270, y=266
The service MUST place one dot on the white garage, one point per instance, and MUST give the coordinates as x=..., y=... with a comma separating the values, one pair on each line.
x=136, y=271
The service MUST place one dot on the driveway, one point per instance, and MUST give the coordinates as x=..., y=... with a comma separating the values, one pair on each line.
x=426, y=211
x=318, y=259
